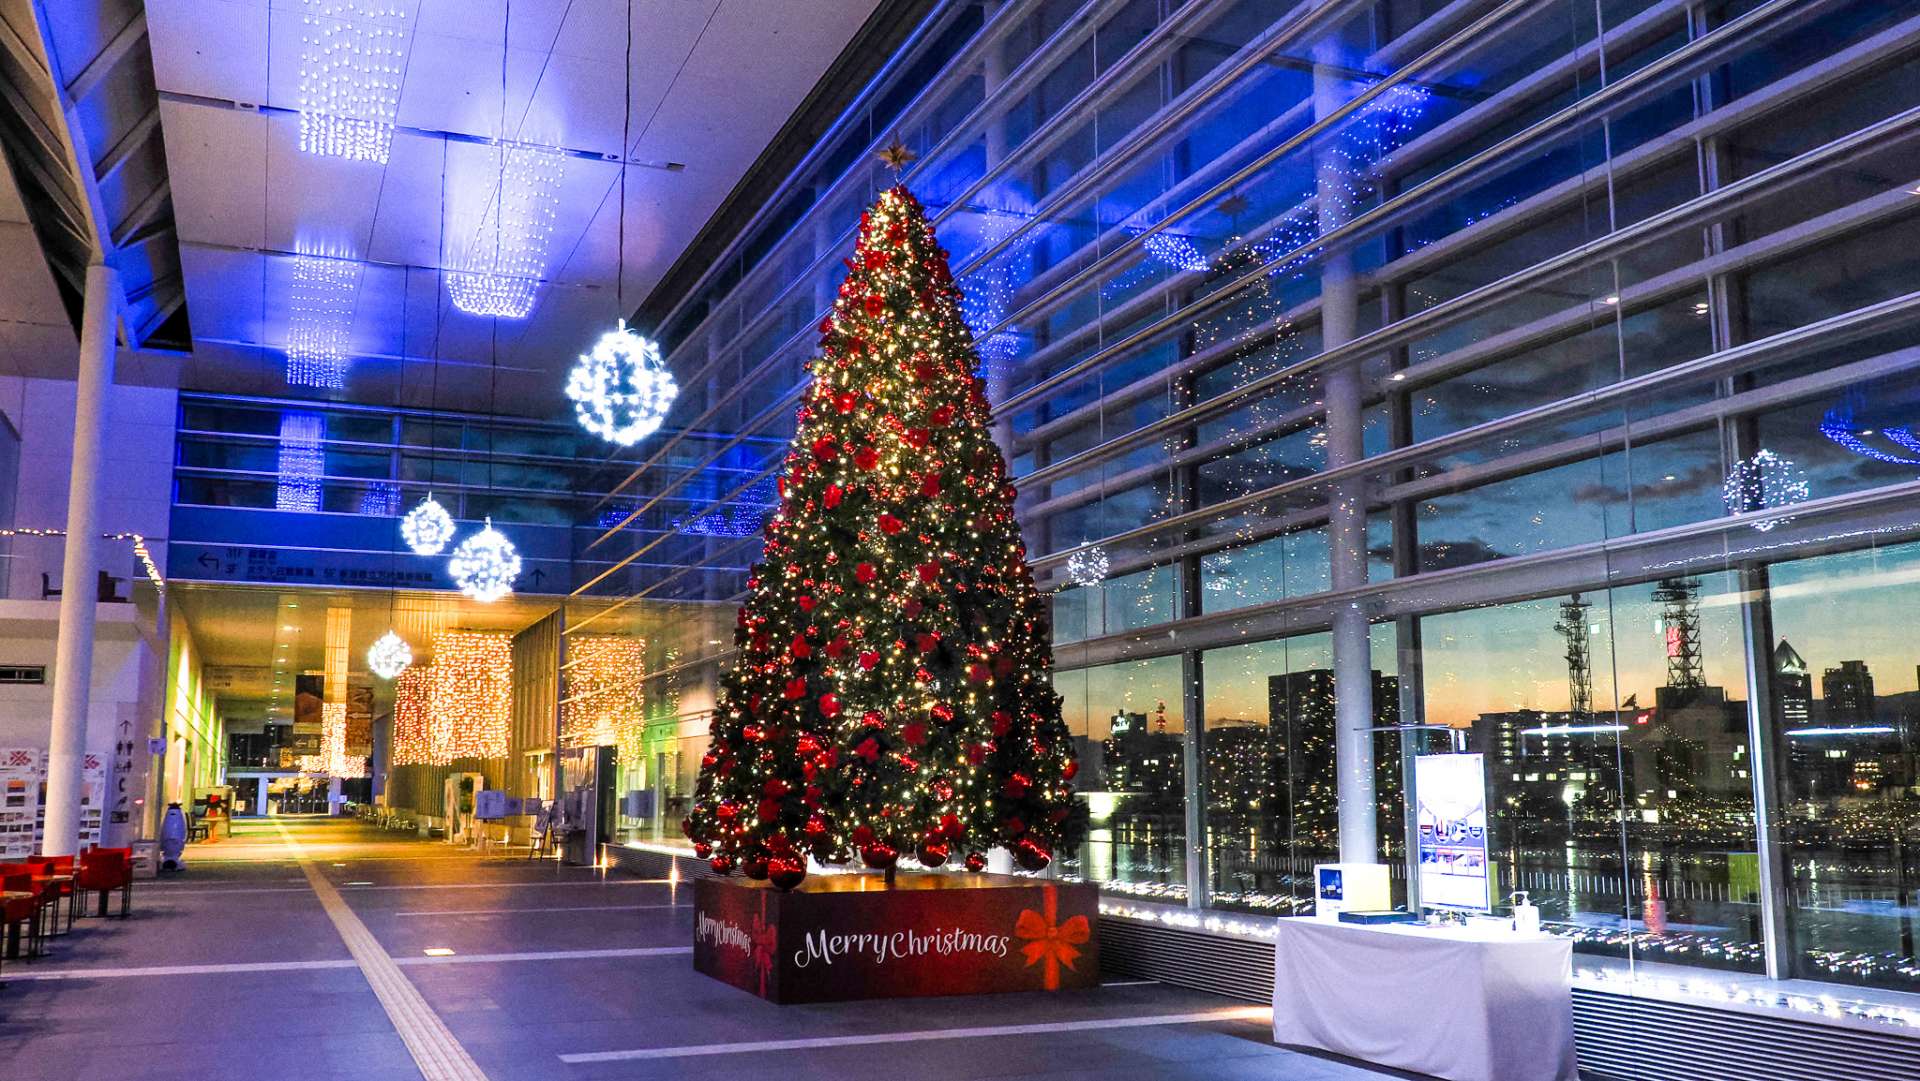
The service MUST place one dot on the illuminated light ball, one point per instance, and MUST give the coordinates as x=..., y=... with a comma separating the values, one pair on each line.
x=1088, y=566
x=621, y=391
x=786, y=872
x=485, y=565
x=1031, y=855
x=976, y=862
x=1764, y=481
x=933, y=853
x=427, y=528
x=389, y=655
x=879, y=855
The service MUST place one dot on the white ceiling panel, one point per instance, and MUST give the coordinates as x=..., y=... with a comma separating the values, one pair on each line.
x=216, y=162
x=210, y=48
x=705, y=92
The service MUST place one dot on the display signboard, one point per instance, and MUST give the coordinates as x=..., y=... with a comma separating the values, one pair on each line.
x=359, y=720
x=23, y=772
x=308, y=723
x=1451, y=793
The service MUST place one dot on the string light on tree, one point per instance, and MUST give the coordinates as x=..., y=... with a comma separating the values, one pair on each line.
x=621, y=390
x=891, y=698
x=427, y=528
x=1088, y=566
x=485, y=565
x=1764, y=481
x=389, y=655
x=349, y=79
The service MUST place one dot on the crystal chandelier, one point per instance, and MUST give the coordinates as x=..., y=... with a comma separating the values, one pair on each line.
x=621, y=391
x=500, y=271
x=427, y=528
x=389, y=655
x=349, y=79
x=485, y=565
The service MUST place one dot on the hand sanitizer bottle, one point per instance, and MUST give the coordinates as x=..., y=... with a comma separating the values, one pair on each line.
x=1526, y=916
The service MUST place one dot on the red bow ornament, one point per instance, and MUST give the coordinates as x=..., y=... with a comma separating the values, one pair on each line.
x=1049, y=940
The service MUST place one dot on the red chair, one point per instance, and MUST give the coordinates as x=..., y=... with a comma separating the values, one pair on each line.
x=19, y=911
x=58, y=870
x=103, y=870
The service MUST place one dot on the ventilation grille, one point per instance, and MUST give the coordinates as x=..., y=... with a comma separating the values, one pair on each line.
x=1618, y=1038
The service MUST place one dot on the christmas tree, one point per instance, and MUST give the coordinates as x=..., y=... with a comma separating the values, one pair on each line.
x=891, y=694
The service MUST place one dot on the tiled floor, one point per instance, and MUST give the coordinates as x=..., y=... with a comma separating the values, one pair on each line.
x=233, y=969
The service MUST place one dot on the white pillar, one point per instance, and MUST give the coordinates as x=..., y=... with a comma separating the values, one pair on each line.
x=73, y=656
x=1334, y=185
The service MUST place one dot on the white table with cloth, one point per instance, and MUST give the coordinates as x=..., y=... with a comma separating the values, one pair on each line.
x=1461, y=1003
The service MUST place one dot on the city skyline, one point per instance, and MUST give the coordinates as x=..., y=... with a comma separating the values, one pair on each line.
x=1507, y=658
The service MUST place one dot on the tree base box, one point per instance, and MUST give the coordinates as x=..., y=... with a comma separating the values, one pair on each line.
x=843, y=937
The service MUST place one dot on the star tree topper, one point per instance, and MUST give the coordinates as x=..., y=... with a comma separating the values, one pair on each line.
x=891, y=695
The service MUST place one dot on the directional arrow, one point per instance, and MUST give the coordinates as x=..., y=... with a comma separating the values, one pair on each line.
x=208, y=561
x=538, y=576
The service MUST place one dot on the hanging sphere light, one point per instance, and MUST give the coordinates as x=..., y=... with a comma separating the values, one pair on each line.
x=1088, y=566
x=485, y=565
x=622, y=389
x=389, y=655
x=427, y=528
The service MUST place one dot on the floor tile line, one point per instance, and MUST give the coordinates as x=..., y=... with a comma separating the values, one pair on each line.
x=210, y=969
x=1230, y=1013
x=221, y=968
x=435, y=1051
x=543, y=955
x=554, y=908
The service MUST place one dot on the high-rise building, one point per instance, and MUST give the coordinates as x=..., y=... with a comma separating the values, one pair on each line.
x=1792, y=686
x=1847, y=692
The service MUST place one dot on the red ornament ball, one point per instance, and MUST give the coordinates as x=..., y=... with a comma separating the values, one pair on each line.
x=786, y=872
x=879, y=855
x=754, y=867
x=933, y=853
x=721, y=864
x=976, y=862
x=1031, y=855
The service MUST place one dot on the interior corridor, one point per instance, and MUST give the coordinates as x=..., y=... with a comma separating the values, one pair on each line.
x=320, y=948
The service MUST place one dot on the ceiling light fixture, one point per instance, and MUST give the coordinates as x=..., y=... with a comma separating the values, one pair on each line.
x=500, y=273
x=350, y=79
x=319, y=316
x=621, y=391
x=389, y=655
x=485, y=565
x=427, y=528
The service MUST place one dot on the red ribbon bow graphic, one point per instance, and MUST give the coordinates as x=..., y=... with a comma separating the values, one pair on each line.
x=765, y=938
x=1050, y=940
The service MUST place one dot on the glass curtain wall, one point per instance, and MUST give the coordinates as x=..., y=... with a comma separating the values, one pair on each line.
x=1527, y=377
